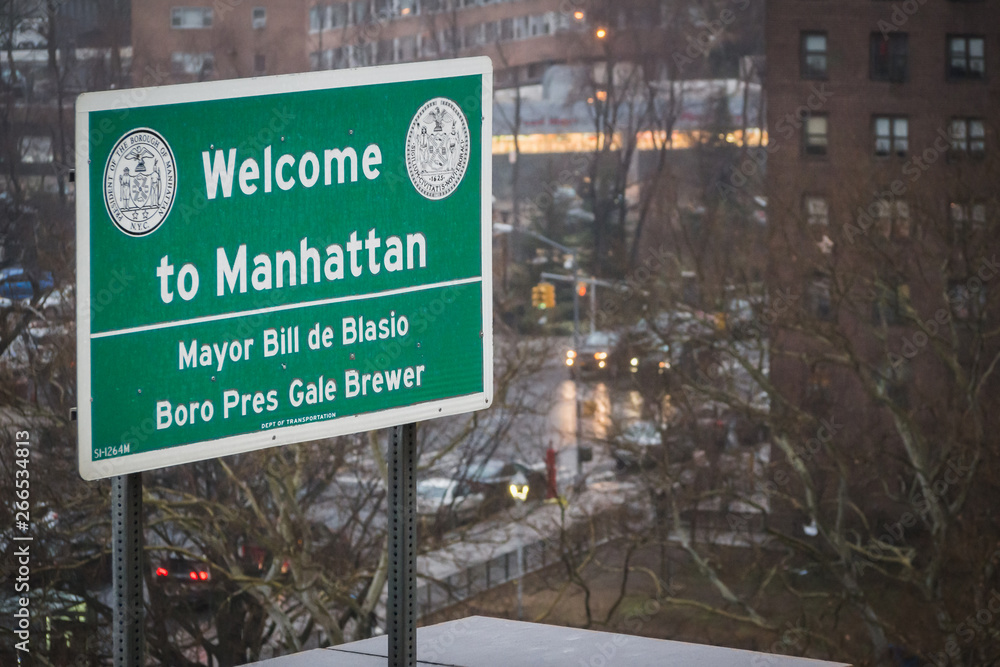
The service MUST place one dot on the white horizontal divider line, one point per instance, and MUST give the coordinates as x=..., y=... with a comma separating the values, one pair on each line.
x=286, y=306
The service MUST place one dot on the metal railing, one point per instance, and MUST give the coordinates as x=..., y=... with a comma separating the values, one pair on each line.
x=435, y=595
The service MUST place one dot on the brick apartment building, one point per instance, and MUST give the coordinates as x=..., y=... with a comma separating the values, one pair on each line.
x=209, y=41
x=882, y=190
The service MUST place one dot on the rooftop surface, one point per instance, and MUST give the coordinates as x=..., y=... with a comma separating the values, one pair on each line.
x=492, y=642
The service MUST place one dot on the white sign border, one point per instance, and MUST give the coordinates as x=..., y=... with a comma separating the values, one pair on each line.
x=220, y=90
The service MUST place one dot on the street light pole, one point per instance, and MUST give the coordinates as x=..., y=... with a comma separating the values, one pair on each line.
x=503, y=228
x=576, y=348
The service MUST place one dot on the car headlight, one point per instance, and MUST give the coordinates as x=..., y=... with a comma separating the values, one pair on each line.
x=571, y=354
x=569, y=362
x=600, y=355
x=634, y=361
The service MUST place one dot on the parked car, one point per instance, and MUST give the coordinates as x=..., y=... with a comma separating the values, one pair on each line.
x=446, y=503
x=639, y=445
x=13, y=82
x=18, y=284
x=494, y=478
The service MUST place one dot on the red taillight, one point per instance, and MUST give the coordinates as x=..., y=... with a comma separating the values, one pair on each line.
x=193, y=575
x=161, y=572
x=203, y=576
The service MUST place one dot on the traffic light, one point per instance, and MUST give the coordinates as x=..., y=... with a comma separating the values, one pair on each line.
x=548, y=295
x=543, y=295
x=581, y=289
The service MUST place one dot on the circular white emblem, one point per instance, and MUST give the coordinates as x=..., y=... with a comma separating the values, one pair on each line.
x=437, y=148
x=140, y=181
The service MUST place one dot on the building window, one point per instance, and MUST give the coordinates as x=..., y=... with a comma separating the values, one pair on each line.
x=36, y=149
x=817, y=210
x=192, y=63
x=816, y=131
x=259, y=63
x=968, y=135
x=966, y=57
x=967, y=299
x=407, y=47
x=336, y=16
x=889, y=57
x=406, y=7
x=359, y=12
x=385, y=51
x=190, y=18
x=317, y=18
x=894, y=382
x=258, y=19
x=814, y=55
x=818, y=387
x=892, y=219
x=818, y=298
x=539, y=25
x=891, y=135
x=890, y=304
x=966, y=217
x=492, y=31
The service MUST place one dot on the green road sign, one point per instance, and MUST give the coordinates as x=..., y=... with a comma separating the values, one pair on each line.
x=267, y=261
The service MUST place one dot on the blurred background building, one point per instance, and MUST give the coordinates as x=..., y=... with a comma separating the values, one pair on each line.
x=882, y=201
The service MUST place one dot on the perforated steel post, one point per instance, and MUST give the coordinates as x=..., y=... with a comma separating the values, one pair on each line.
x=401, y=608
x=126, y=552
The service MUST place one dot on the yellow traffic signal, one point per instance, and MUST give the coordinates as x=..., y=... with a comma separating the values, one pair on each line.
x=548, y=295
x=543, y=295
x=537, y=300
x=581, y=289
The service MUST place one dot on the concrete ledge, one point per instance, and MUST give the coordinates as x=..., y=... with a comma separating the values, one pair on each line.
x=478, y=641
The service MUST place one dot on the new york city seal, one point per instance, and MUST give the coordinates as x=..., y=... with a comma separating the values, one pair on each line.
x=140, y=181
x=437, y=148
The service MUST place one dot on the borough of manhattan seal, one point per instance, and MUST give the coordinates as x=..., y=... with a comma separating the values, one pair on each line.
x=437, y=148
x=140, y=181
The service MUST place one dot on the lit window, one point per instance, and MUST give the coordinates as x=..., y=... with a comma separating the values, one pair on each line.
x=816, y=134
x=966, y=216
x=192, y=63
x=966, y=57
x=891, y=135
x=968, y=135
x=814, y=55
x=893, y=219
x=817, y=211
x=190, y=18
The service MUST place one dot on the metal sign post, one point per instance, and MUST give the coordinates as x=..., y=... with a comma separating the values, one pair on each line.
x=359, y=298
x=126, y=550
x=401, y=608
